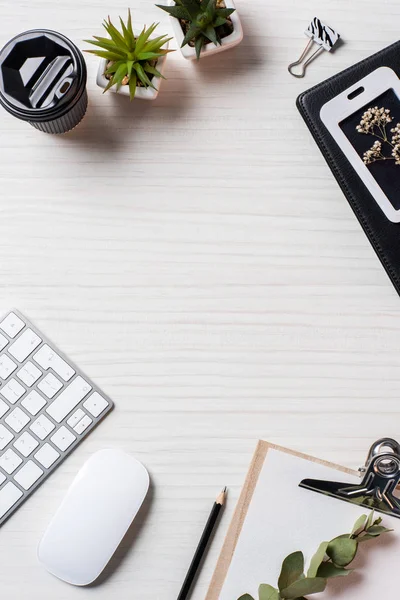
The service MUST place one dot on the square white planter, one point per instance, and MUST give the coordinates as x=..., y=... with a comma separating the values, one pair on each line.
x=230, y=41
x=141, y=93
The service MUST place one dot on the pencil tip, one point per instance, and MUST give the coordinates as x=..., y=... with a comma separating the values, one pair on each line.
x=221, y=497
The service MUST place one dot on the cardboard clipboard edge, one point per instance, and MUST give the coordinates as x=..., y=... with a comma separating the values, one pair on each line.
x=242, y=506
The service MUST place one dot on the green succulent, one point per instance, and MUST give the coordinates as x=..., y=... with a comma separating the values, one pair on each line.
x=204, y=20
x=130, y=58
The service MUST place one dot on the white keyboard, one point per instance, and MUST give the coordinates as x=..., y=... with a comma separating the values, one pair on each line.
x=47, y=406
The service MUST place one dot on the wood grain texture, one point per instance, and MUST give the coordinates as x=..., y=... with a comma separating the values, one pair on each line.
x=196, y=258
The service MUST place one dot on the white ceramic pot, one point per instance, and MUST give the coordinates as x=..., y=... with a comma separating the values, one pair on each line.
x=141, y=93
x=230, y=41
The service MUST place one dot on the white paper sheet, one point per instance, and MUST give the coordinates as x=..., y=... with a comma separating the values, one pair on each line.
x=283, y=518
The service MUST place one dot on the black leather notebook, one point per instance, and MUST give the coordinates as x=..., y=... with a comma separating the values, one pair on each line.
x=383, y=235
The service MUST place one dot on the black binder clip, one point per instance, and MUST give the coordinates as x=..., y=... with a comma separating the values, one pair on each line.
x=320, y=34
x=381, y=476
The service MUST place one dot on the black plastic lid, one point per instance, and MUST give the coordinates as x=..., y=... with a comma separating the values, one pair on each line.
x=42, y=75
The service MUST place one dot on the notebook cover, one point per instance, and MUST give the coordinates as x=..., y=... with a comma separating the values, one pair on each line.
x=383, y=235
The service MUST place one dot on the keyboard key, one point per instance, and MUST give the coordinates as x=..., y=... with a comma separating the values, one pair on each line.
x=33, y=402
x=2, y=478
x=12, y=391
x=28, y=474
x=5, y=436
x=8, y=497
x=42, y=427
x=50, y=385
x=10, y=461
x=3, y=408
x=83, y=424
x=29, y=374
x=62, y=438
x=75, y=418
x=46, y=358
x=12, y=325
x=3, y=341
x=95, y=404
x=7, y=366
x=68, y=399
x=24, y=345
x=26, y=444
x=17, y=419
x=46, y=455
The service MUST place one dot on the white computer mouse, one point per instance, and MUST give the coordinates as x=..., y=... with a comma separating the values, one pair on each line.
x=94, y=516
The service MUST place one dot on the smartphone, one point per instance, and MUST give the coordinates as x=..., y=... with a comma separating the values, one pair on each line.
x=376, y=165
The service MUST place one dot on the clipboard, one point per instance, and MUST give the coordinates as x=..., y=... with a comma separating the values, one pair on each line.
x=263, y=451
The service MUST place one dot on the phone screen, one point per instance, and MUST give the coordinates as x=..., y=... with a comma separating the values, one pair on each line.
x=382, y=166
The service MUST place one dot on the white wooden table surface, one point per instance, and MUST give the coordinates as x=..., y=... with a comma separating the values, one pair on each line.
x=196, y=258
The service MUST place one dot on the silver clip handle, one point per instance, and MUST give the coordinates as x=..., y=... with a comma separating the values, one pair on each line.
x=304, y=66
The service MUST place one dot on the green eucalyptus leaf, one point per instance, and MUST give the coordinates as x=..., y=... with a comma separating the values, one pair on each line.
x=370, y=519
x=328, y=570
x=292, y=569
x=301, y=587
x=342, y=550
x=359, y=524
x=267, y=592
x=246, y=597
x=377, y=530
x=317, y=559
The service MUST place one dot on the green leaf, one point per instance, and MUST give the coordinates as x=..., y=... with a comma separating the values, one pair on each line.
x=317, y=559
x=224, y=12
x=328, y=570
x=219, y=21
x=129, y=23
x=246, y=597
x=359, y=524
x=147, y=55
x=120, y=73
x=130, y=39
x=267, y=592
x=301, y=587
x=211, y=34
x=157, y=43
x=342, y=550
x=292, y=569
x=199, y=45
x=150, y=69
x=142, y=75
x=179, y=12
x=132, y=85
x=115, y=35
x=144, y=36
x=104, y=54
x=377, y=530
x=193, y=8
x=191, y=33
x=107, y=45
x=370, y=519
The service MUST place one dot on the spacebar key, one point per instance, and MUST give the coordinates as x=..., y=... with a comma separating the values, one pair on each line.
x=68, y=399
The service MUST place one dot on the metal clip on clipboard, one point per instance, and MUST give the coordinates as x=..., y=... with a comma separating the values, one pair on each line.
x=381, y=476
x=320, y=34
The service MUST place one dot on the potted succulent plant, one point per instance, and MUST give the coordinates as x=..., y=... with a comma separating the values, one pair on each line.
x=132, y=62
x=204, y=27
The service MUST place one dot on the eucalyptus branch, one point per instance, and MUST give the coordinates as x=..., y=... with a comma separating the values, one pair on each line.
x=330, y=560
